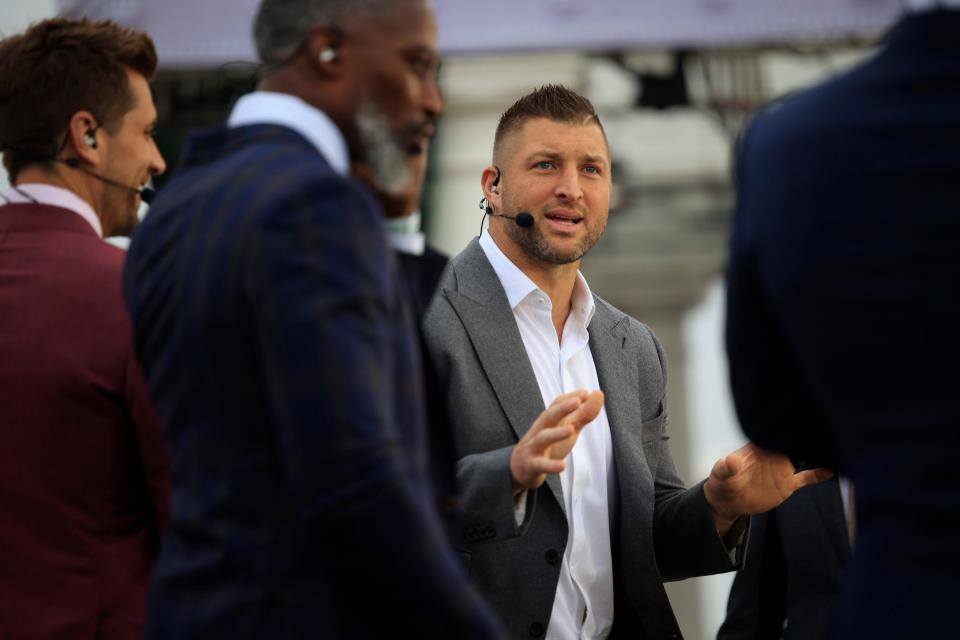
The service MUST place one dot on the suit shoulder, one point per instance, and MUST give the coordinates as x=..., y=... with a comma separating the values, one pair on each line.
x=441, y=321
x=289, y=172
x=440, y=312
x=94, y=256
x=264, y=175
x=813, y=111
x=450, y=280
x=89, y=271
x=257, y=158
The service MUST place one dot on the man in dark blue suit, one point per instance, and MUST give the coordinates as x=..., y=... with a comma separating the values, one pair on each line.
x=843, y=314
x=420, y=267
x=282, y=354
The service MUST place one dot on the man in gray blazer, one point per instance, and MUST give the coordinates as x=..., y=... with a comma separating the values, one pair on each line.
x=557, y=550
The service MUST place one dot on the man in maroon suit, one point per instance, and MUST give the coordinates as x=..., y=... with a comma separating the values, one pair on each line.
x=83, y=486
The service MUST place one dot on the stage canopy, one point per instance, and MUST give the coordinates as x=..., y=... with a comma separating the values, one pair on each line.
x=208, y=33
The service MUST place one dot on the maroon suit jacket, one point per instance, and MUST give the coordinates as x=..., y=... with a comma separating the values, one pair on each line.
x=83, y=486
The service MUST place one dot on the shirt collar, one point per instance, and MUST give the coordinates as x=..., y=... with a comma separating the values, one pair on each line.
x=53, y=196
x=518, y=286
x=285, y=110
x=406, y=224
x=404, y=234
x=583, y=303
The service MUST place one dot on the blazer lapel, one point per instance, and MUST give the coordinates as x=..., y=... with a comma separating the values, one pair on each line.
x=619, y=379
x=481, y=304
x=618, y=376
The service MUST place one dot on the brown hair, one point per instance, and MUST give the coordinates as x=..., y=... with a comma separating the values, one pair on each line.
x=56, y=68
x=553, y=102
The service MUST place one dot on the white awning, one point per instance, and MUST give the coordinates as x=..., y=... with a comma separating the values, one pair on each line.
x=207, y=33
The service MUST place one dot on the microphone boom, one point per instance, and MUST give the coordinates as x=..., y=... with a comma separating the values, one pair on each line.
x=523, y=219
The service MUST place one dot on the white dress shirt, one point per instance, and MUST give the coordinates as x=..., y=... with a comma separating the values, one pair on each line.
x=53, y=196
x=285, y=110
x=404, y=234
x=583, y=605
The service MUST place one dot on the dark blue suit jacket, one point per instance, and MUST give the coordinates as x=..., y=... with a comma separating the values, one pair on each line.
x=793, y=569
x=844, y=317
x=283, y=361
x=420, y=277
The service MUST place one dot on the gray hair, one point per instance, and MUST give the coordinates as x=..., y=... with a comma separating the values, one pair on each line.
x=281, y=26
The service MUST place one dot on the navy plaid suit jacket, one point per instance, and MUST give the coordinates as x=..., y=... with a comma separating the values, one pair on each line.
x=283, y=360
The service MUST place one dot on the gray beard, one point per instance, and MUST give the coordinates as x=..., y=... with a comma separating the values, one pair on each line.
x=386, y=159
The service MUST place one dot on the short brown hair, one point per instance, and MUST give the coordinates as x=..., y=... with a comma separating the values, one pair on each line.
x=58, y=67
x=553, y=102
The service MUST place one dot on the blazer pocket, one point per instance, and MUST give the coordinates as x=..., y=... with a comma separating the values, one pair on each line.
x=654, y=430
x=652, y=436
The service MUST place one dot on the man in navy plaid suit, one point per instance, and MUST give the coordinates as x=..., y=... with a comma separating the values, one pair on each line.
x=282, y=355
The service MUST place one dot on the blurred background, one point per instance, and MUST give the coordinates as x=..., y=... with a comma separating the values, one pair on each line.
x=674, y=81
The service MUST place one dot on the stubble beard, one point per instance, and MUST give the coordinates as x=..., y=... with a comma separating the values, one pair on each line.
x=533, y=242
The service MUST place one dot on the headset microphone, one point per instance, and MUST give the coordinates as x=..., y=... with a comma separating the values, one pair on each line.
x=146, y=193
x=523, y=219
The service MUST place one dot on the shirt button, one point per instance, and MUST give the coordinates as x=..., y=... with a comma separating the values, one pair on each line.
x=552, y=556
x=536, y=630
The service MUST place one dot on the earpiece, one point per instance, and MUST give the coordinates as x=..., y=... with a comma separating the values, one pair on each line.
x=484, y=205
x=90, y=139
x=327, y=54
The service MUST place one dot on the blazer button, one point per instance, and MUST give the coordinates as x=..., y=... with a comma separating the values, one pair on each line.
x=537, y=630
x=552, y=556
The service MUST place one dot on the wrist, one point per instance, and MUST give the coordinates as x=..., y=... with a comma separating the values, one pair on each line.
x=724, y=516
x=515, y=485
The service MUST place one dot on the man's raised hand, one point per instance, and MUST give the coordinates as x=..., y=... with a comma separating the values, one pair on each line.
x=543, y=447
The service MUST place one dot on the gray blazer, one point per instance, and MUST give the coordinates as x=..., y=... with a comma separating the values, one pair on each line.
x=660, y=530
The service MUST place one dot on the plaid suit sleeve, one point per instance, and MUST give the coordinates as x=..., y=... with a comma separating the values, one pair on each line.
x=321, y=285
x=153, y=452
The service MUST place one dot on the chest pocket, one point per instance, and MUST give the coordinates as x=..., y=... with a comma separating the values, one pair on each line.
x=653, y=435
